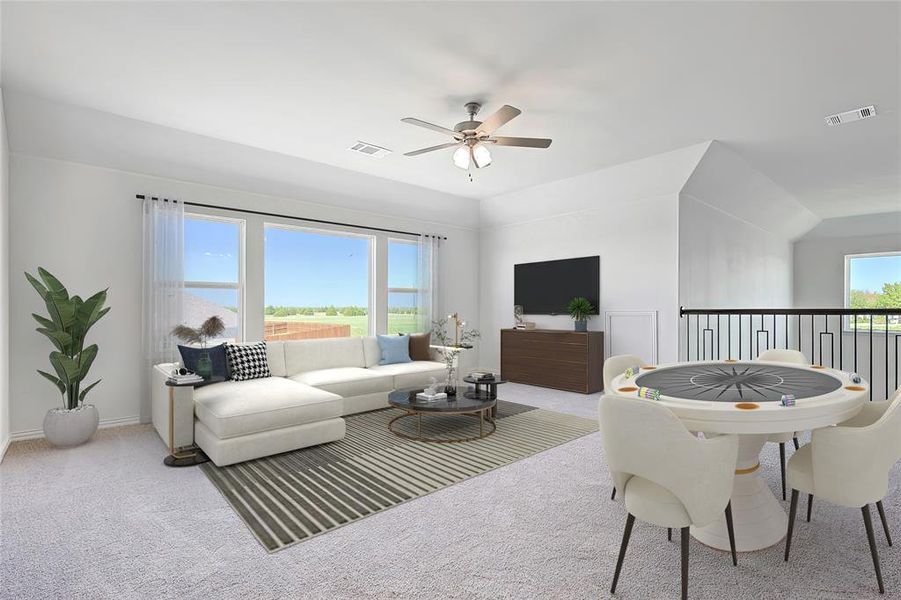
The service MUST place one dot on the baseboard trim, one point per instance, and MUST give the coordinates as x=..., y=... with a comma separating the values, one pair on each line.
x=4, y=446
x=33, y=434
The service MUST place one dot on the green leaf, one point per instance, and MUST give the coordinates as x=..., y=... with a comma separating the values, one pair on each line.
x=53, y=284
x=66, y=368
x=60, y=339
x=37, y=285
x=61, y=310
x=85, y=391
x=44, y=321
x=55, y=381
x=85, y=359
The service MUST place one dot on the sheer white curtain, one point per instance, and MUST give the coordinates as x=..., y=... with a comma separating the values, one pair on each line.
x=428, y=299
x=164, y=279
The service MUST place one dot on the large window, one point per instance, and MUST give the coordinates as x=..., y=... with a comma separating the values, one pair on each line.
x=403, y=287
x=873, y=281
x=317, y=283
x=213, y=272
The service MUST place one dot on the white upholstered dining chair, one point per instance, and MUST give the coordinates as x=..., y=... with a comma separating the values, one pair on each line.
x=668, y=476
x=614, y=367
x=849, y=464
x=786, y=356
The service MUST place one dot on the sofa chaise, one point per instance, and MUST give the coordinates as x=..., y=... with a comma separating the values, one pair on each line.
x=313, y=384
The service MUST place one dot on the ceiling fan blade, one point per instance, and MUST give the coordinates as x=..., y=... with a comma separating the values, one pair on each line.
x=503, y=115
x=520, y=141
x=432, y=126
x=432, y=149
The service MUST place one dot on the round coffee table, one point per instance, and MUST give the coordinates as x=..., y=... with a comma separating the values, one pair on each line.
x=479, y=407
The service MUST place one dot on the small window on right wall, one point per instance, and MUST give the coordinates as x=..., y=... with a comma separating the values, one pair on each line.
x=873, y=281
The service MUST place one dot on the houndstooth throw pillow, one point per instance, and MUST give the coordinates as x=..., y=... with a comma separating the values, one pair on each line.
x=248, y=361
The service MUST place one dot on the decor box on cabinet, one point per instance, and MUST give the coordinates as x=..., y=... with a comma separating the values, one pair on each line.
x=560, y=359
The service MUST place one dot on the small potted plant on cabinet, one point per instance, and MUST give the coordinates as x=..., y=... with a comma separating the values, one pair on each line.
x=68, y=325
x=580, y=310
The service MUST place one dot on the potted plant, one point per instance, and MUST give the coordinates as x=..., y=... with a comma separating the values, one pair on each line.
x=452, y=346
x=580, y=310
x=70, y=320
x=209, y=329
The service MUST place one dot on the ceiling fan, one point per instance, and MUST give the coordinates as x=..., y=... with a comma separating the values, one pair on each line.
x=472, y=138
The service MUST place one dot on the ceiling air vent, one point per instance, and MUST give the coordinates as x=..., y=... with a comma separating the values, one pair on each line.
x=851, y=115
x=370, y=149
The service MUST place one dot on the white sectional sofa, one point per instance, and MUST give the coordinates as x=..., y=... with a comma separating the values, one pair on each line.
x=314, y=383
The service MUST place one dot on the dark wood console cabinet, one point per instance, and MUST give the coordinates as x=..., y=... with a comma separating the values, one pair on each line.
x=559, y=359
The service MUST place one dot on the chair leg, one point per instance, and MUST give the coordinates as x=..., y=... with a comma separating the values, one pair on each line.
x=630, y=520
x=669, y=534
x=782, y=466
x=613, y=495
x=731, y=533
x=809, y=506
x=685, y=563
x=868, y=523
x=793, y=509
x=797, y=445
x=881, y=510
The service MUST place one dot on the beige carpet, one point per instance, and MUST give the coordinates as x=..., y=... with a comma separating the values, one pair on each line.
x=108, y=520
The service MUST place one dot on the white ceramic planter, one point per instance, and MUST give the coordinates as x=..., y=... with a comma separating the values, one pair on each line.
x=64, y=427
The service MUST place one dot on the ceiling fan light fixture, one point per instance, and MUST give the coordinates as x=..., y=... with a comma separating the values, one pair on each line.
x=461, y=157
x=481, y=156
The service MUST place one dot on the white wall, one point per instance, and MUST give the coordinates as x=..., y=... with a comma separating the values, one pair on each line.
x=625, y=214
x=84, y=224
x=4, y=284
x=736, y=228
x=819, y=257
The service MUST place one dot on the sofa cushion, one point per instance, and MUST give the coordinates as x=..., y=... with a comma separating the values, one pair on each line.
x=347, y=381
x=302, y=356
x=372, y=354
x=395, y=349
x=248, y=361
x=191, y=355
x=412, y=374
x=420, y=346
x=275, y=352
x=234, y=408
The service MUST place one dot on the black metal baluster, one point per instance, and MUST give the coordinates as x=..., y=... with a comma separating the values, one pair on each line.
x=854, y=318
x=697, y=336
x=786, y=331
x=729, y=338
x=775, y=341
x=813, y=357
x=886, y=358
x=871, y=357
x=841, y=339
x=739, y=336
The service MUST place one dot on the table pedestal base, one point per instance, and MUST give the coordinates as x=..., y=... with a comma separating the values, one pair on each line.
x=758, y=517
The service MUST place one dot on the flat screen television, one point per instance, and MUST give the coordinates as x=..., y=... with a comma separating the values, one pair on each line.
x=545, y=288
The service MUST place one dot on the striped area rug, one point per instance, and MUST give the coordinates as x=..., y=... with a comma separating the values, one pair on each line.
x=291, y=497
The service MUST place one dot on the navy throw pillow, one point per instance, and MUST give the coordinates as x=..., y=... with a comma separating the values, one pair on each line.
x=190, y=355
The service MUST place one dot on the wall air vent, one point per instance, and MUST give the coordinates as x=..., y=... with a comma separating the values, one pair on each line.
x=851, y=115
x=370, y=149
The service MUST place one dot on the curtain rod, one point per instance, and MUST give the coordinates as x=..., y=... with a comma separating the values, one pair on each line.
x=309, y=220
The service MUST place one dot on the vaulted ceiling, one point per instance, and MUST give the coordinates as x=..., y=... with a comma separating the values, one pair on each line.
x=609, y=82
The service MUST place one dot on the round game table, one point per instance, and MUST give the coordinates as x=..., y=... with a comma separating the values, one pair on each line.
x=744, y=398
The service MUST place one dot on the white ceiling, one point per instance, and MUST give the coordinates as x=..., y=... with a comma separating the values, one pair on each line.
x=609, y=82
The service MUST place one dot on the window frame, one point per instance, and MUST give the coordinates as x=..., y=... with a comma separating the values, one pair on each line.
x=846, y=322
x=337, y=232
x=402, y=290
x=226, y=285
